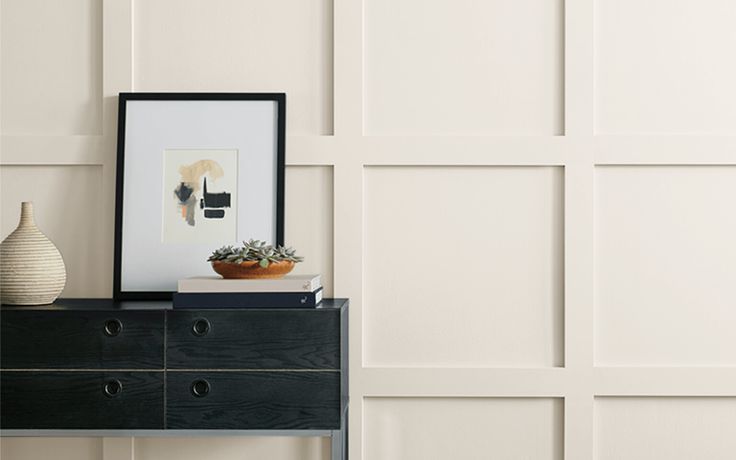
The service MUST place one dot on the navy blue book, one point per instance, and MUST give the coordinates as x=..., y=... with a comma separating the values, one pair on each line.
x=247, y=299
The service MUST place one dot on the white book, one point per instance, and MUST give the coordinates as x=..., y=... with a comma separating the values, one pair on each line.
x=289, y=283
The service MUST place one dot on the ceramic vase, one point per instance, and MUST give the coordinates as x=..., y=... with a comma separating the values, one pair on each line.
x=32, y=271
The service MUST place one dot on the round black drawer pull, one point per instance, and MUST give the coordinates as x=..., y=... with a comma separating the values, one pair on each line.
x=200, y=388
x=113, y=327
x=201, y=327
x=112, y=388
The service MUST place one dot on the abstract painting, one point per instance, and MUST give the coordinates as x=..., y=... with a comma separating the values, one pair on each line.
x=195, y=171
x=199, y=196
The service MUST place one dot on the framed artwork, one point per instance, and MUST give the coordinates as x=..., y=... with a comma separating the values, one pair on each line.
x=195, y=171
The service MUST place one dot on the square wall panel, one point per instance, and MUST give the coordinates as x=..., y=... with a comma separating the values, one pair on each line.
x=665, y=266
x=463, y=266
x=459, y=67
x=230, y=448
x=651, y=428
x=68, y=209
x=665, y=66
x=34, y=448
x=51, y=67
x=309, y=220
x=240, y=46
x=462, y=428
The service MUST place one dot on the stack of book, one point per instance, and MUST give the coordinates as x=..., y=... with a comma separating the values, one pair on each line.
x=291, y=291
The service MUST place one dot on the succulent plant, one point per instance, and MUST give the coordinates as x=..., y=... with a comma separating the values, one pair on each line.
x=254, y=250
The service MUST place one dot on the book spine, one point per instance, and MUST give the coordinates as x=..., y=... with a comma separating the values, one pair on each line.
x=223, y=286
x=248, y=300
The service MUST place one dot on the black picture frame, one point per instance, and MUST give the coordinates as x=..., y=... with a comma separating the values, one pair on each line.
x=124, y=98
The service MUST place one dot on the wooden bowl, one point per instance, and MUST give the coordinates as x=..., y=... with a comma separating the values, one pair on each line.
x=252, y=269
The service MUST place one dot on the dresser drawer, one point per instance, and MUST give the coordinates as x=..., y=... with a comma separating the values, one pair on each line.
x=308, y=400
x=253, y=339
x=81, y=400
x=82, y=339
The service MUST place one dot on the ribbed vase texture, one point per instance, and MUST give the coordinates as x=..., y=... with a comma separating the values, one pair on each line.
x=32, y=271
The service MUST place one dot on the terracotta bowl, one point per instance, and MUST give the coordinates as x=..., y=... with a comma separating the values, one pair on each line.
x=252, y=269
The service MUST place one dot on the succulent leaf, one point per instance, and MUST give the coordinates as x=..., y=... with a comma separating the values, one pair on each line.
x=254, y=250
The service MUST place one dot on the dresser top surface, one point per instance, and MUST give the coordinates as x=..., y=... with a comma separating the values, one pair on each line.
x=153, y=305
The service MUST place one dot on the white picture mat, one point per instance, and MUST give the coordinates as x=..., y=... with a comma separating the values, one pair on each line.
x=153, y=126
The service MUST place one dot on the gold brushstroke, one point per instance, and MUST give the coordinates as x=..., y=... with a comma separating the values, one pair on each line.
x=190, y=174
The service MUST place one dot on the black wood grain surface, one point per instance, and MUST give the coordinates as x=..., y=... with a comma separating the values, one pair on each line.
x=254, y=339
x=71, y=304
x=67, y=357
x=254, y=400
x=77, y=400
x=56, y=339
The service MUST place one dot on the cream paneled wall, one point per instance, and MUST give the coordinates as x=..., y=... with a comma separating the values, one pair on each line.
x=52, y=62
x=635, y=88
x=231, y=448
x=529, y=204
x=409, y=209
x=56, y=448
x=258, y=47
x=463, y=67
x=400, y=428
x=681, y=234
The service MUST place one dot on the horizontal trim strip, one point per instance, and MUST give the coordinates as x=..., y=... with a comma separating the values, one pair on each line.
x=84, y=370
x=169, y=370
x=252, y=370
x=162, y=433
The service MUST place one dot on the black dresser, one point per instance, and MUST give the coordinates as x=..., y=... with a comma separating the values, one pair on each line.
x=100, y=367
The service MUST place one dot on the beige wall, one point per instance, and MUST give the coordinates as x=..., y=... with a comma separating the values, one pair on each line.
x=529, y=203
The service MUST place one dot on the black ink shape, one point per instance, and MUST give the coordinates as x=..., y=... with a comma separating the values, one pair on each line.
x=183, y=192
x=214, y=200
x=214, y=213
